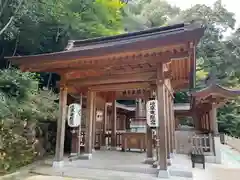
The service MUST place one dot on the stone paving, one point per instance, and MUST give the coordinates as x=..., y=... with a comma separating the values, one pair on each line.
x=39, y=177
x=112, y=165
x=115, y=165
x=101, y=174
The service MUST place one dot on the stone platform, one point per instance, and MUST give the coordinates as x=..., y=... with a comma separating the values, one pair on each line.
x=112, y=164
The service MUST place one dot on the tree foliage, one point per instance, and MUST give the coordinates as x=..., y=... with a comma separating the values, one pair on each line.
x=22, y=105
x=31, y=27
x=215, y=53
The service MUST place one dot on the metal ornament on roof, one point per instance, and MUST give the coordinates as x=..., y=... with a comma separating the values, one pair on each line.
x=152, y=113
x=74, y=115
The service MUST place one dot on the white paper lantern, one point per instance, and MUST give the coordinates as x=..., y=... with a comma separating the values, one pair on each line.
x=152, y=113
x=99, y=116
x=74, y=115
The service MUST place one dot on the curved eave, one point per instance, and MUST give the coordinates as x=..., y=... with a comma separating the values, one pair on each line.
x=216, y=90
x=116, y=44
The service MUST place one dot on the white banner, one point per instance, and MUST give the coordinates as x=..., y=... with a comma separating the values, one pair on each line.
x=152, y=113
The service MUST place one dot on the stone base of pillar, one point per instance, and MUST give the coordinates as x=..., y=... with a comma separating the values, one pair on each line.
x=169, y=162
x=155, y=164
x=73, y=154
x=149, y=161
x=163, y=174
x=58, y=164
x=113, y=148
x=105, y=148
x=93, y=150
x=85, y=156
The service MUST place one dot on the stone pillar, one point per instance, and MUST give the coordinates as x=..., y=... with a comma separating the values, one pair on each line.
x=89, y=125
x=94, y=121
x=58, y=161
x=104, y=124
x=113, y=129
x=161, y=130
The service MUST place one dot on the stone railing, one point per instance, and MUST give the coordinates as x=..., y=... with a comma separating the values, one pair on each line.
x=233, y=142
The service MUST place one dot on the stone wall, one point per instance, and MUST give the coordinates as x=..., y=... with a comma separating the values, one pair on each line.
x=234, y=142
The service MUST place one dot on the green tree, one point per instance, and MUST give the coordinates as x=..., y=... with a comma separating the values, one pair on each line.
x=142, y=14
x=215, y=53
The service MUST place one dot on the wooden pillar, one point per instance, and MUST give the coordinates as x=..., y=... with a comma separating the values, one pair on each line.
x=149, y=140
x=167, y=123
x=176, y=122
x=208, y=122
x=173, y=125
x=124, y=122
x=89, y=124
x=79, y=128
x=216, y=143
x=141, y=108
x=58, y=161
x=203, y=120
x=161, y=130
x=214, y=120
x=104, y=124
x=113, y=129
x=196, y=121
x=74, y=143
x=172, y=131
x=94, y=121
x=137, y=107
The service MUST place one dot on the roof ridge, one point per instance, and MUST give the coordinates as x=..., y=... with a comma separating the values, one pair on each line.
x=78, y=43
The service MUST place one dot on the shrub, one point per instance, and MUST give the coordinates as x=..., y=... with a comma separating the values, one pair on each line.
x=22, y=105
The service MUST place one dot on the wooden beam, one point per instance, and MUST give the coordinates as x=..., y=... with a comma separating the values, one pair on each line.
x=123, y=78
x=151, y=57
x=120, y=86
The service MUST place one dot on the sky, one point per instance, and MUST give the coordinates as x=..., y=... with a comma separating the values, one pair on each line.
x=231, y=5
